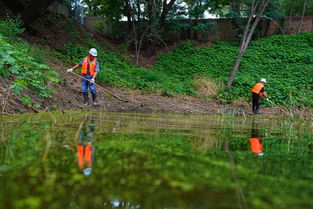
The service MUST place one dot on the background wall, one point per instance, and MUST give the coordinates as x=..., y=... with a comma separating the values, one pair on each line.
x=222, y=30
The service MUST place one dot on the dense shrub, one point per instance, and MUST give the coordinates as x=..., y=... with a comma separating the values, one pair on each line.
x=10, y=27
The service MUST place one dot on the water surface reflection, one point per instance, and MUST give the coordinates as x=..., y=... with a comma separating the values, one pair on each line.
x=85, y=151
x=115, y=160
x=256, y=141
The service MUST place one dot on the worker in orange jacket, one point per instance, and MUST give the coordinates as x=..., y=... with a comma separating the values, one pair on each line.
x=85, y=150
x=256, y=142
x=90, y=68
x=258, y=91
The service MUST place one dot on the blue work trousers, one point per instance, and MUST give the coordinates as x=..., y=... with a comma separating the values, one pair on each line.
x=86, y=84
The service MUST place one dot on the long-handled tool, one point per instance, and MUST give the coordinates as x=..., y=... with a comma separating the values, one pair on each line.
x=282, y=108
x=101, y=88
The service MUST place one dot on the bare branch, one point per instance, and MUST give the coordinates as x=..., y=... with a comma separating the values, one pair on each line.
x=302, y=17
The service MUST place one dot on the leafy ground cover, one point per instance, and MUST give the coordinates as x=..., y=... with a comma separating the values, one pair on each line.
x=285, y=60
x=23, y=62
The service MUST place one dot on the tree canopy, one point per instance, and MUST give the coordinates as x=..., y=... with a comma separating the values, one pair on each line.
x=151, y=16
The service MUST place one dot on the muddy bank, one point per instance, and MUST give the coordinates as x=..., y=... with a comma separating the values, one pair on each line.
x=68, y=96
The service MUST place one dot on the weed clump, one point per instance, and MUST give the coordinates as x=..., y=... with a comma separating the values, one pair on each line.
x=23, y=62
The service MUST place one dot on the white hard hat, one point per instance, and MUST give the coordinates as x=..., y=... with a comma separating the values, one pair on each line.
x=87, y=171
x=263, y=80
x=93, y=52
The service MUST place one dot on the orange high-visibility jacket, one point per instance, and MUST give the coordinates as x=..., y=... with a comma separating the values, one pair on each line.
x=257, y=88
x=84, y=155
x=92, y=66
x=256, y=145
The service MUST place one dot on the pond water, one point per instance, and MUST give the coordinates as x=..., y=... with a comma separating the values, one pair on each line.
x=119, y=160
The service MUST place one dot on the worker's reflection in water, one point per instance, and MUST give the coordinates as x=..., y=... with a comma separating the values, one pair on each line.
x=85, y=150
x=256, y=142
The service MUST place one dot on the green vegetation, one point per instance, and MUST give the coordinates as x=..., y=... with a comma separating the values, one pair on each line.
x=286, y=62
x=117, y=73
x=10, y=27
x=295, y=7
x=23, y=61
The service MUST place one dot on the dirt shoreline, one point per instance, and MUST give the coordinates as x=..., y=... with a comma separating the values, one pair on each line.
x=68, y=96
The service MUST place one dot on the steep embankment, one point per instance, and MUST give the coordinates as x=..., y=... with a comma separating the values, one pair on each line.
x=285, y=60
x=33, y=76
x=195, y=73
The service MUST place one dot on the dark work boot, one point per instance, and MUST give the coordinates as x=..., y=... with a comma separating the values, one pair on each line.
x=86, y=100
x=94, y=99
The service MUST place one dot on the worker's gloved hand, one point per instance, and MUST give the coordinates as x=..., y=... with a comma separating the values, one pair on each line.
x=92, y=80
x=267, y=99
x=70, y=70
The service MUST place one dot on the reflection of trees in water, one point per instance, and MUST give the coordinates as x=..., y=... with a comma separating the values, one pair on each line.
x=149, y=170
x=19, y=146
x=205, y=143
x=287, y=151
x=120, y=204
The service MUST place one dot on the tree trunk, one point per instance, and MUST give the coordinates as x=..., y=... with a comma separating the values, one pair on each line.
x=290, y=16
x=247, y=35
x=236, y=67
x=139, y=46
x=235, y=5
x=165, y=11
x=302, y=17
x=277, y=24
x=128, y=15
x=129, y=22
x=267, y=28
x=133, y=21
x=150, y=12
x=138, y=13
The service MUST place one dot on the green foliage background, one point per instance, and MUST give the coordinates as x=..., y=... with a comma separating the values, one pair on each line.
x=286, y=61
